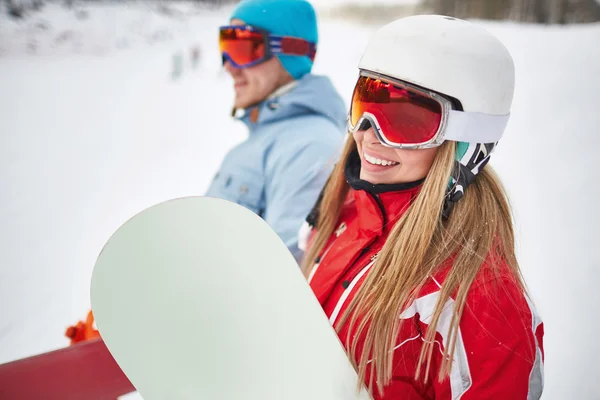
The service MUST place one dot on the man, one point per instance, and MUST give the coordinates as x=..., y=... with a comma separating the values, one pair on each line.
x=296, y=119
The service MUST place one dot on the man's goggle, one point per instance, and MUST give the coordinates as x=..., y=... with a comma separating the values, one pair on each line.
x=244, y=46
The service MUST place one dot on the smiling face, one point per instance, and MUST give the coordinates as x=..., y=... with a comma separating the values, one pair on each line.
x=384, y=165
x=254, y=84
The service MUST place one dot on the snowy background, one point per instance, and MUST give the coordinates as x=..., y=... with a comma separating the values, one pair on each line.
x=103, y=114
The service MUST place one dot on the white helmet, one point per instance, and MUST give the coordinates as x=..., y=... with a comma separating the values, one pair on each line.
x=450, y=56
x=460, y=60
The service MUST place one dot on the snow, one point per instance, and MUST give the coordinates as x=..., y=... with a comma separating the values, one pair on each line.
x=93, y=129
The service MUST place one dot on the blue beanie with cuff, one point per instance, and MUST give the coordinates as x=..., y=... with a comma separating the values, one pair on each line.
x=296, y=18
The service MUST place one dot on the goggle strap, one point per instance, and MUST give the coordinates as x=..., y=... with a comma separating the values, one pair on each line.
x=292, y=46
x=474, y=127
x=282, y=44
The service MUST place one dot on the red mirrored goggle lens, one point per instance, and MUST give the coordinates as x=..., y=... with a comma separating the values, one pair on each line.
x=404, y=116
x=241, y=45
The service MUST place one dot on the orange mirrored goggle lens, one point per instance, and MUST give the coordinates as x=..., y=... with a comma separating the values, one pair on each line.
x=242, y=46
x=404, y=116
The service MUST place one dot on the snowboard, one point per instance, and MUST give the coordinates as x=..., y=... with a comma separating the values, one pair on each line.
x=198, y=298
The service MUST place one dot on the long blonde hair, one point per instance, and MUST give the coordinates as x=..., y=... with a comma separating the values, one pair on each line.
x=478, y=228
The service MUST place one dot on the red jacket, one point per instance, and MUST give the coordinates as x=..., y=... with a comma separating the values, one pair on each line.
x=499, y=349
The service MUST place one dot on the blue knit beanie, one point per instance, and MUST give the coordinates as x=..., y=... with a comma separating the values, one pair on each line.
x=295, y=18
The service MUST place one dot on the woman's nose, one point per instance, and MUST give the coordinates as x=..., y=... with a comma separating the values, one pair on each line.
x=370, y=136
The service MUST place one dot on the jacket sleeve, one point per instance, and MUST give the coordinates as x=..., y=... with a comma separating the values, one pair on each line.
x=499, y=354
x=296, y=172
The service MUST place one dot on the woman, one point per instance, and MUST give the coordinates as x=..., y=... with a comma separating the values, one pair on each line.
x=411, y=252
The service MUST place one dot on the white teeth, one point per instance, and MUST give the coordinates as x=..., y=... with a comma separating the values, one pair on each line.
x=377, y=161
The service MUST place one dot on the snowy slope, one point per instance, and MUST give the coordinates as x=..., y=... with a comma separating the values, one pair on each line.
x=93, y=130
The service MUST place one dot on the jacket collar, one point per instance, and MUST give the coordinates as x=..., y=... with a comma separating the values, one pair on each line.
x=251, y=116
x=312, y=95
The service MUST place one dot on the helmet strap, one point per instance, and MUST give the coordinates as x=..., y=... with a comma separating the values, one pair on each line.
x=469, y=162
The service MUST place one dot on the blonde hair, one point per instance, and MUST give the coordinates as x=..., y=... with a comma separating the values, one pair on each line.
x=479, y=228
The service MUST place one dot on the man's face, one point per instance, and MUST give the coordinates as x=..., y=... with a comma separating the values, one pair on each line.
x=254, y=84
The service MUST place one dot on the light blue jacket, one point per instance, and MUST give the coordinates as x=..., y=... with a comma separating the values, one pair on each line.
x=279, y=171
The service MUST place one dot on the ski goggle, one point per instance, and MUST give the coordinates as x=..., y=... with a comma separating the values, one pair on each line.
x=245, y=46
x=409, y=117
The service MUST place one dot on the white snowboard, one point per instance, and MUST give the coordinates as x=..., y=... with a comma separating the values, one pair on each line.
x=198, y=298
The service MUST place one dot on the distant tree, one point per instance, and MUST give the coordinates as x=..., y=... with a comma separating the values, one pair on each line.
x=535, y=11
x=582, y=11
x=557, y=11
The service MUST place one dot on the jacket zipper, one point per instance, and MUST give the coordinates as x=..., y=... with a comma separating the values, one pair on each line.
x=381, y=207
